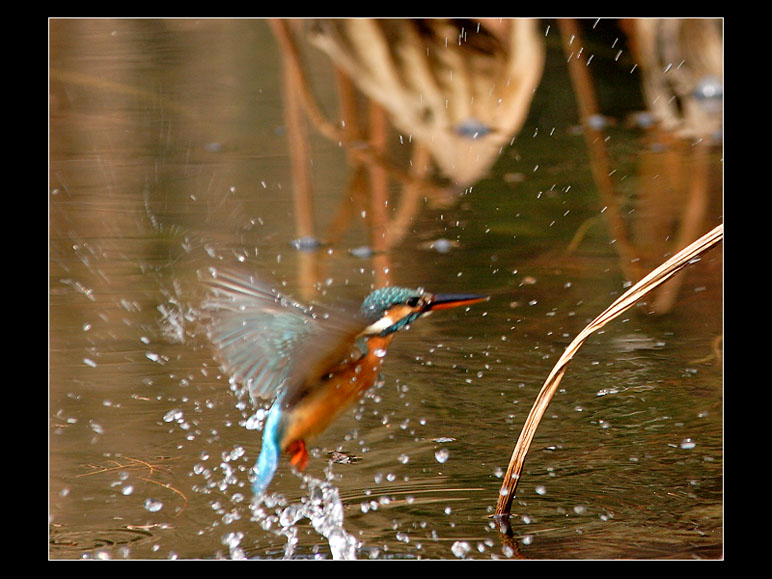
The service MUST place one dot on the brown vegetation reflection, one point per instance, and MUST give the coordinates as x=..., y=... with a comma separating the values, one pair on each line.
x=459, y=90
x=673, y=206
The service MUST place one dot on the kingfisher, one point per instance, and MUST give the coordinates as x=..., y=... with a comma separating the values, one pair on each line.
x=312, y=363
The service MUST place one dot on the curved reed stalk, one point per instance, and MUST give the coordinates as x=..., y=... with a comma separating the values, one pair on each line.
x=658, y=276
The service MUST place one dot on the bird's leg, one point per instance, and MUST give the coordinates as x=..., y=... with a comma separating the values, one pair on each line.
x=299, y=454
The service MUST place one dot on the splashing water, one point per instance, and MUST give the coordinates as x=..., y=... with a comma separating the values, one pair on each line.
x=322, y=507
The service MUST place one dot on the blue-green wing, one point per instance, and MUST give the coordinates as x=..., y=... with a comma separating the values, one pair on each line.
x=255, y=331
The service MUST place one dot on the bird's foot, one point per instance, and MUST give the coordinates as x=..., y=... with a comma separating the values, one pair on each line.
x=299, y=454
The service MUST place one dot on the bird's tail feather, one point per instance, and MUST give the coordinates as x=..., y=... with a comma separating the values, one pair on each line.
x=268, y=460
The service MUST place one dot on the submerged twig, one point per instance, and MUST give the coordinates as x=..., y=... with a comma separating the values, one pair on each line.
x=640, y=289
x=139, y=463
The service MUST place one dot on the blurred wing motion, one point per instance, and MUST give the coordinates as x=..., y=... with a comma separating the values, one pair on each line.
x=267, y=342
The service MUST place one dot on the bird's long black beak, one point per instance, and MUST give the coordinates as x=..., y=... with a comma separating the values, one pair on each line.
x=447, y=301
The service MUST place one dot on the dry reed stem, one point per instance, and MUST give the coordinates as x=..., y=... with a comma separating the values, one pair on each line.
x=658, y=276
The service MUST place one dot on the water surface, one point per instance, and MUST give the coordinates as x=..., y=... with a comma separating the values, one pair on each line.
x=169, y=151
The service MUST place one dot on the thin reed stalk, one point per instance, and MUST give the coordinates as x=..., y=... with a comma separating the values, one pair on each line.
x=658, y=276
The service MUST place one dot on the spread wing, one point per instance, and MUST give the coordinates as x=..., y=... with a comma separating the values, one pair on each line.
x=267, y=342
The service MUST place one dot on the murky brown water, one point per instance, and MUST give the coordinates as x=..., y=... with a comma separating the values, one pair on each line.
x=170, y=151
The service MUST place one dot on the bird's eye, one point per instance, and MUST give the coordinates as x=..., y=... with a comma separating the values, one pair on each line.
x=413, y=302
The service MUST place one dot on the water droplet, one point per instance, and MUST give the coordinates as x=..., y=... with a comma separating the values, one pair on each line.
x=379, y=352
x=175, y=414
x=442, y=455
x=237, y=452
x=541, y=490
x=127, y=490
x=153, y=505
x=460, y=549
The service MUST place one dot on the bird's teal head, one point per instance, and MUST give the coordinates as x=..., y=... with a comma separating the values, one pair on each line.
x=389, y=309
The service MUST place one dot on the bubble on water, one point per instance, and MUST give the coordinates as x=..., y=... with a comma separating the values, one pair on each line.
x=379, y=352
x=541, y=490
x=460, y=549
x=127, y=490
x=580, y=509
x=443, y=245
x=688, y=444
x=306, y=243
x=442, y=455
x=89, y=362
x=153, y=505
x=363, y=251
